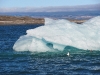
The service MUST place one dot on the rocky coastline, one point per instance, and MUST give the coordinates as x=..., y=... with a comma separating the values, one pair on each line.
x=16, y=20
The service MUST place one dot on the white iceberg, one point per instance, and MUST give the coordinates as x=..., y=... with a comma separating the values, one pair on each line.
x=57, y=34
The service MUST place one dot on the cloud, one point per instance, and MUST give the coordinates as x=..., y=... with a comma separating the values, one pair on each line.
x=93, y=7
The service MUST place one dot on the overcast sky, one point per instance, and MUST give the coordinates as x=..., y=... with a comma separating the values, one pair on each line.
x=44, y=3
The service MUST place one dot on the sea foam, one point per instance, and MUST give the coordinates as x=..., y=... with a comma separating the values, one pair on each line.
x=55, y=35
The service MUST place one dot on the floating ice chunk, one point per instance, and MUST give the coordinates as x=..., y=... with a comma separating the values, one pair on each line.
x=57, y=34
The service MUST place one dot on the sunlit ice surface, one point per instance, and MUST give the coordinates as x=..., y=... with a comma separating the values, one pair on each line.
x=60, y=34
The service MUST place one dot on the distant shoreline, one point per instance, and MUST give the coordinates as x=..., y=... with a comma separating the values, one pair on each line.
x=16, y=20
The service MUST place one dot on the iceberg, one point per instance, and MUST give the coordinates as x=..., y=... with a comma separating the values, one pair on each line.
x=55, y=35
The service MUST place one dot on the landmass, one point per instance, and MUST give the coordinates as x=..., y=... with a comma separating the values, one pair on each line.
x=15, y=20
x=77, y=21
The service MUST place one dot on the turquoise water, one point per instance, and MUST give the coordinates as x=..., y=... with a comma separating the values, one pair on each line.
x=79, y=62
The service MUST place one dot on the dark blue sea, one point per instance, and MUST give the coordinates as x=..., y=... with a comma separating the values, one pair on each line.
x=65, y=15
x=79, y=62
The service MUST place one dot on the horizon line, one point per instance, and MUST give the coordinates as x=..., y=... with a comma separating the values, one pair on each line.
x=90, y=7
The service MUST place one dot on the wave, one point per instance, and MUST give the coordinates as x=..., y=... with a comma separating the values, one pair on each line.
x=58, y=35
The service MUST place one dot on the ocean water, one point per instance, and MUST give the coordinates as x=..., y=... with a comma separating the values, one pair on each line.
x=69, y=15
x=79, y=62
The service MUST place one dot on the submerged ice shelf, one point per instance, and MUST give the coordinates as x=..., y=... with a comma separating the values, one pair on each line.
x=55, y=35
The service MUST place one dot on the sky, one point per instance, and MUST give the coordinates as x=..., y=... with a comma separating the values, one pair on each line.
x=44, y=3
